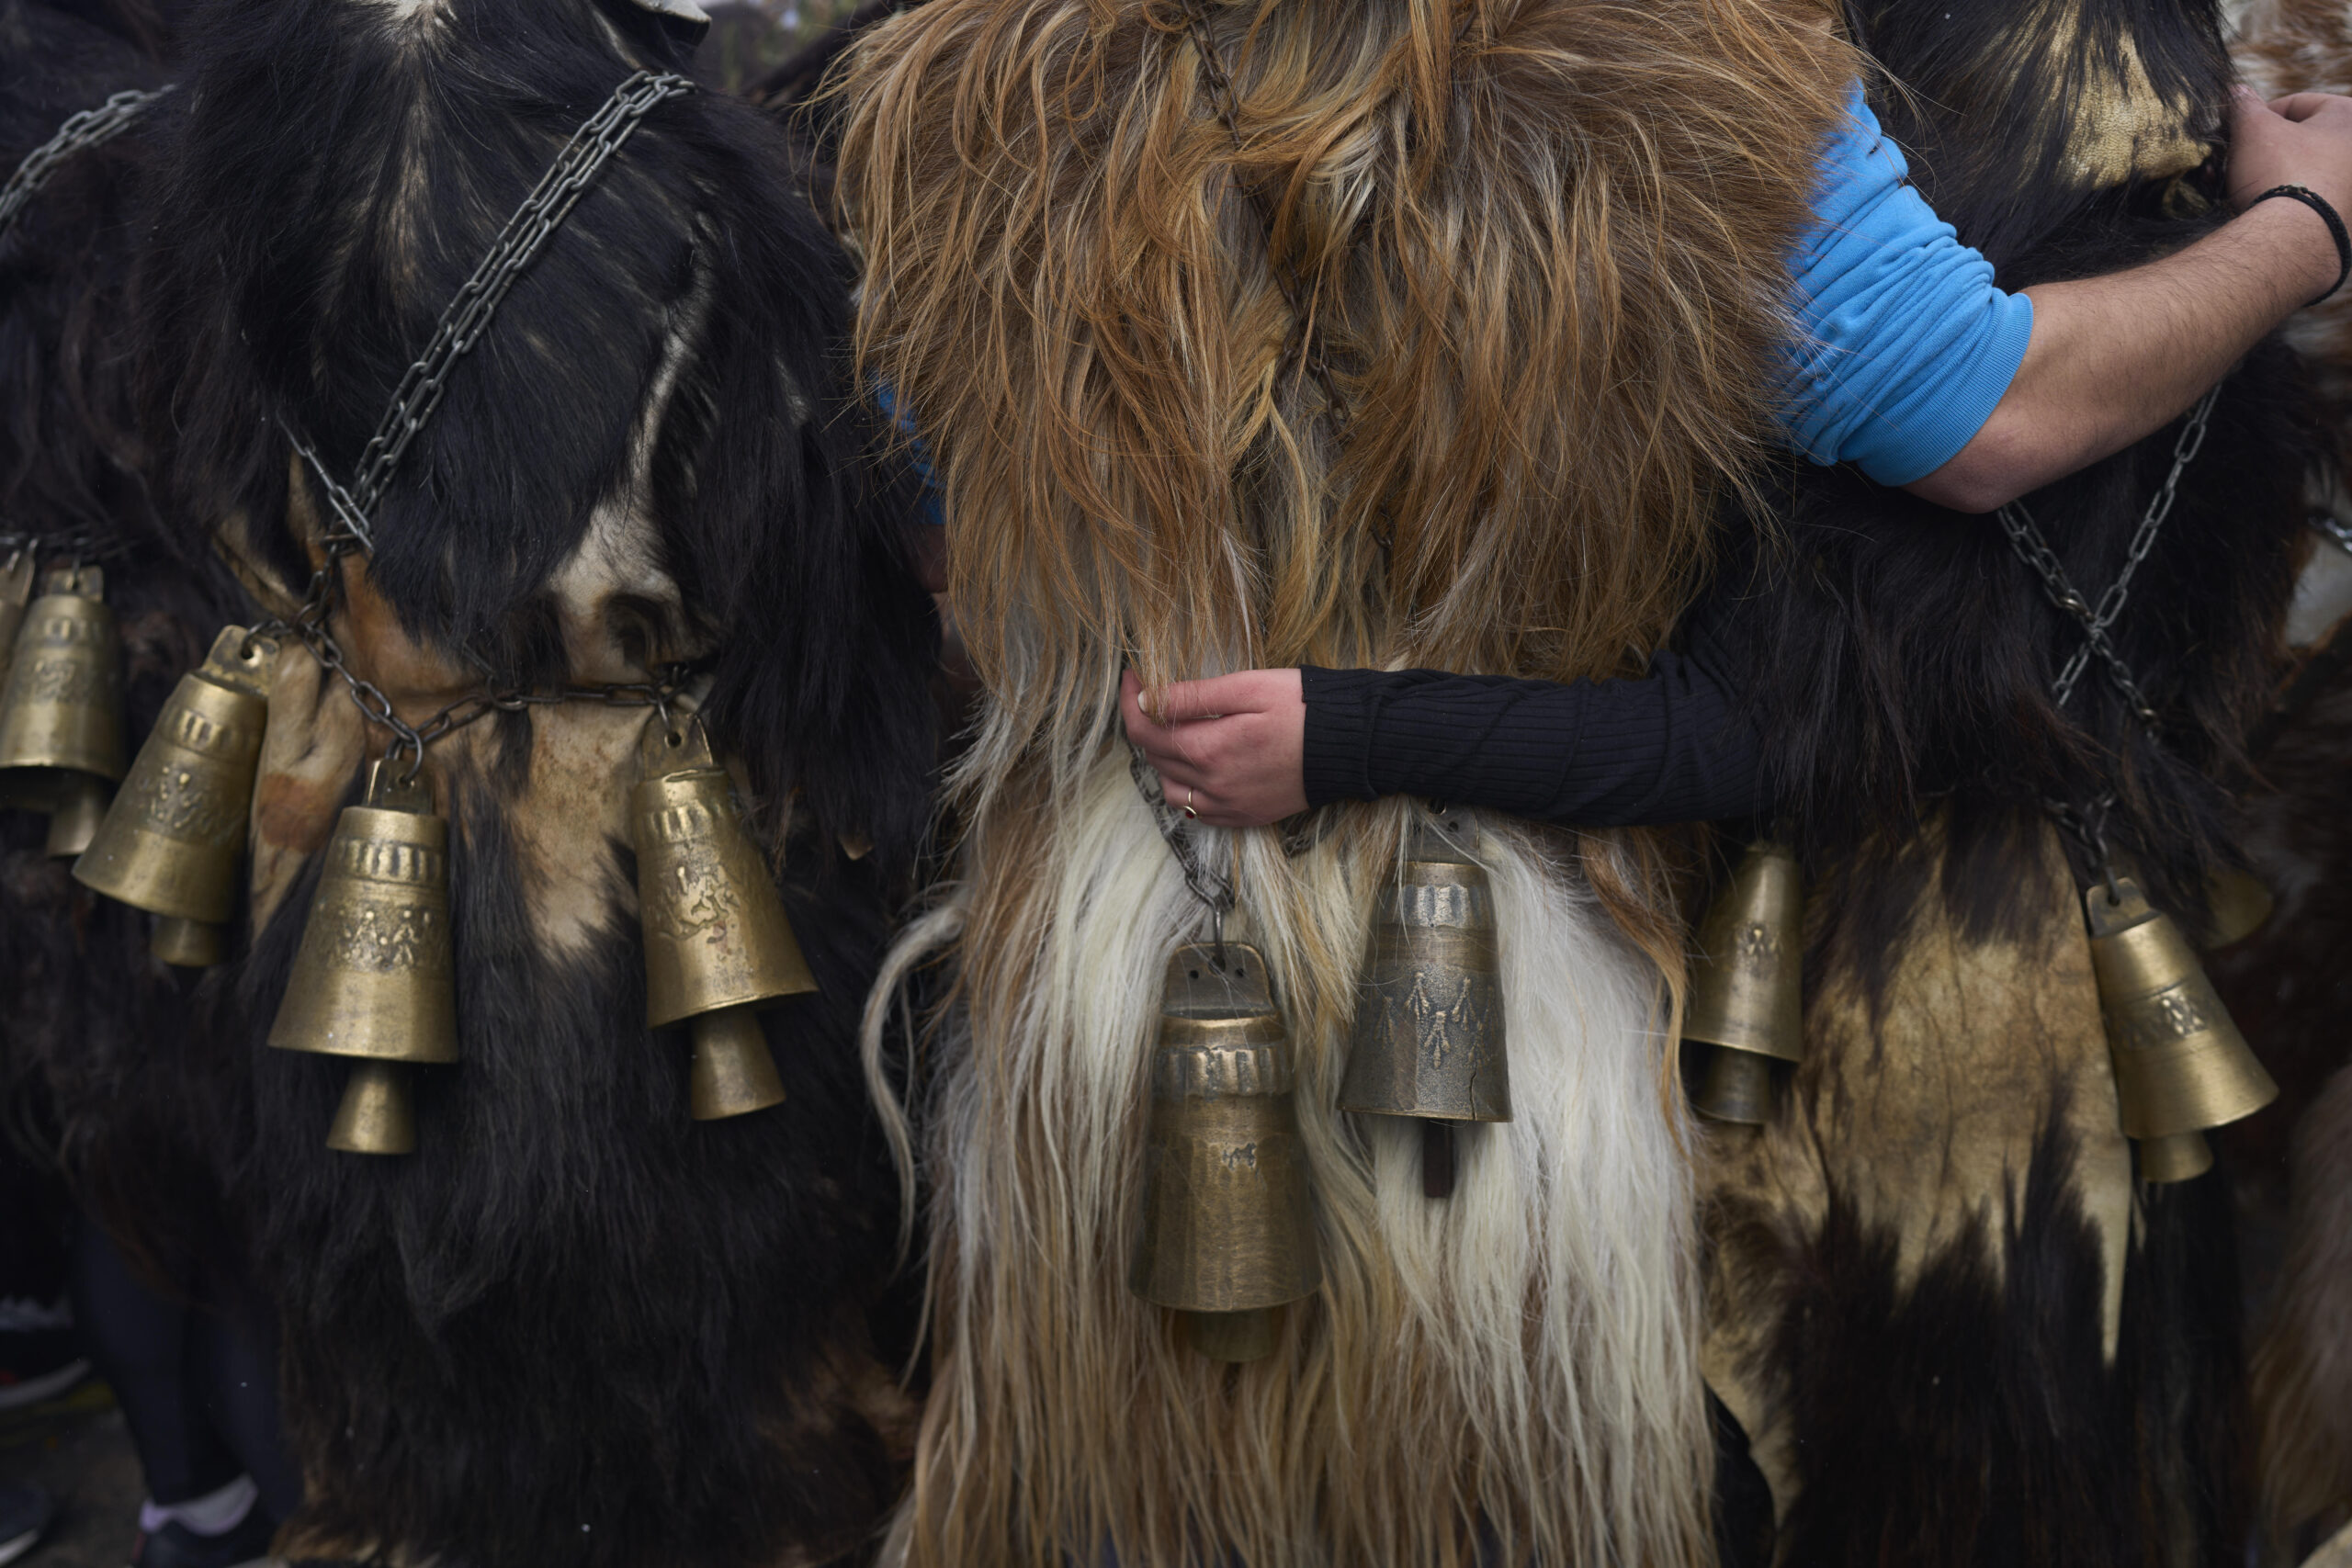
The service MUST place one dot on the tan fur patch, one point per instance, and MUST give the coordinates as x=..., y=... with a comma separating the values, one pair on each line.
x=1926, y=1122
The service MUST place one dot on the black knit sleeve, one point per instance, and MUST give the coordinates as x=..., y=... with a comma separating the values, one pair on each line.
x=1671, y=746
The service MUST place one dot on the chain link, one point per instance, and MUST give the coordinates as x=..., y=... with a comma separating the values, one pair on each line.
x=414, y=402
x=89, y=128
x=2026, y=538
x=1300, y=348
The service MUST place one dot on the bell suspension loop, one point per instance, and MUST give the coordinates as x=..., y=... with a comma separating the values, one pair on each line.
x=1429, y=1040
x=1746, y=1008
x=717, y=943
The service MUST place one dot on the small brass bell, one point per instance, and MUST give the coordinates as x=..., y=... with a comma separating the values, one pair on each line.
x=60, y=713
x=1429, y=1038
x=2240, y=905
x=2180, y=1064
x=716, y=941
x=172, y=843
x=375, y=978
x=1747, y=987
x=1228, y=1232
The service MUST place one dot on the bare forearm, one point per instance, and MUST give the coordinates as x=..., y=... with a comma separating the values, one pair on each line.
x=2115, y=357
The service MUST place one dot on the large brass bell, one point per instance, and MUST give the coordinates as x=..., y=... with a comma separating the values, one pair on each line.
x=60, y=713
x=375, y=978
x=716, y=941
x=1747, y=987
x=173, y=840
x=2180, y=1064
x=1227, y=1233
x=15, y=593
x=1429, y=1038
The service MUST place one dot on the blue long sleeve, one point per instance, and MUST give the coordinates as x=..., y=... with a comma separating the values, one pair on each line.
x=1906, y=344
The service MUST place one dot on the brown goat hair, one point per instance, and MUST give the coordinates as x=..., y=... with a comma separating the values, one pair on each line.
x=1540, y=245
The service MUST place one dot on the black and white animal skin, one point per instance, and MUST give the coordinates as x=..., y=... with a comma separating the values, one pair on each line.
x=96, y=1055
x=575, y=1326
x=1956, y=1329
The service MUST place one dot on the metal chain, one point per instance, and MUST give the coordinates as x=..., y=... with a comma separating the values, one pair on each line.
x=1207, y=884
x=414, y=403
x=1300, y=348
x=2026, y=540
x=2086, y=825
x=89, y=128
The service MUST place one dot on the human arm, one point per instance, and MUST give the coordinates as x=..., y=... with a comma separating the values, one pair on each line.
x=1668, y=746
x=2113, y=358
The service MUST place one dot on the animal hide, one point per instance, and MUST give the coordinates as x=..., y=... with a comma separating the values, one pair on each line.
x=99, y=1066
x=1550, y=347
x=1953, y=1329
x=575, y=1326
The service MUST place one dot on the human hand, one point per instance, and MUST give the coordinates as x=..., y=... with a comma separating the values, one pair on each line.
x=1233, y=746
x=2304, y=139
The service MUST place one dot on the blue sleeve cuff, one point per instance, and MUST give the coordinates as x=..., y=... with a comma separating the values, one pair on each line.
x=1905, y=345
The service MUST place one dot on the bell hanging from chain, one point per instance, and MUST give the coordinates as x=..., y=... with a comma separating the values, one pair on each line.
x=61, y=713
x=2239, y=903
x=1227, y=1232
x=717, y=944
x=1429, y=1037
x=173, y=839
x=2180, y=1064
x=1747, y=987
x=374, y=979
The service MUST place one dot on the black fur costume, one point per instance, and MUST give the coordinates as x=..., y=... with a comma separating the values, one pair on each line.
x=98, y=1067
x=1904, y=657
x=575, y=1326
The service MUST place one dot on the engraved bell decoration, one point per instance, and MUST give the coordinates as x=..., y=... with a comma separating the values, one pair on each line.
x=2180, y=1064
x=60, y=713
x=374, y=979
x=1747, y=987
x=173, y=841
x=1428, y=1027
x=1227, y=1232
x=717, y=944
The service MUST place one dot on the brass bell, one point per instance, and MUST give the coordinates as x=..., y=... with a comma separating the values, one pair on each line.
x=15, y=593
x=1747, y=987
x=2180, y=1064
x=60, y=713
x=375, y=976
x=173, y=840
x=1227, y=1232
x=716, y=941
x=1428, y=1039
x=2239, y=903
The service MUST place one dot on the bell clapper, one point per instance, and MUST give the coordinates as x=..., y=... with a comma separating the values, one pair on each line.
x=74, y=821
x=376, y=1116
x=1231, y=1335
x=1438, y=1158
x=734, y=1072
x=187, y=945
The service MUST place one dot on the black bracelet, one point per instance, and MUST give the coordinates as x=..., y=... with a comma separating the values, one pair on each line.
x=2318, y=204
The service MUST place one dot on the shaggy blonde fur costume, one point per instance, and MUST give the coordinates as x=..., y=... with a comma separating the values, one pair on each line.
x=1541, y=243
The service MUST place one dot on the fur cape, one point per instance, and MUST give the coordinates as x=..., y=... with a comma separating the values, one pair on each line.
x=1541, y=244
x=99, y=1066
x=575, y=1326
x=1952, y=1327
